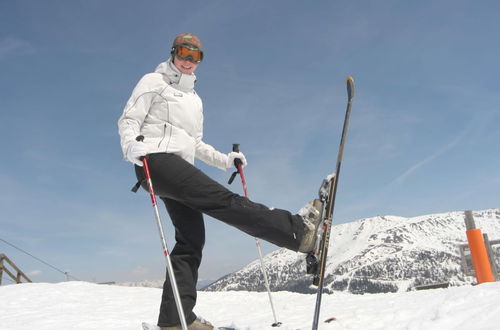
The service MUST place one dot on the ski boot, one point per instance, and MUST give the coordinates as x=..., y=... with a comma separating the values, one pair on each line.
x=198, y=324
x=314, y=253
x=311, y=214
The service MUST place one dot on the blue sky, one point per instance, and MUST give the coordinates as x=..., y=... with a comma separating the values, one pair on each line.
x=423, y=137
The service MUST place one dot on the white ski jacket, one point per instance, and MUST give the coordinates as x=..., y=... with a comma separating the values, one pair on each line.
x=167, y=111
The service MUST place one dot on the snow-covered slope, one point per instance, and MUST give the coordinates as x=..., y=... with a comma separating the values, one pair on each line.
x=380, y=254
x=86, y=306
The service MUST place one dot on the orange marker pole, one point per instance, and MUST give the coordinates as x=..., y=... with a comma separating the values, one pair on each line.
x=478, y=252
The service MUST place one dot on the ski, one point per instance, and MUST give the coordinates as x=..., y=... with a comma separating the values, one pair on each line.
x=148, y=326
x=316, y=260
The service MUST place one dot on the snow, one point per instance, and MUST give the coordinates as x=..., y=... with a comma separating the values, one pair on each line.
x=82, y=305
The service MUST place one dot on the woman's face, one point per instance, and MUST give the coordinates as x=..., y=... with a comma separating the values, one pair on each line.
x=185, y=66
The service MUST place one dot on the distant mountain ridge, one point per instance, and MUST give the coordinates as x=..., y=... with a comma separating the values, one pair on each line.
x=159, y=284
x=372, y=255
x=144, y=284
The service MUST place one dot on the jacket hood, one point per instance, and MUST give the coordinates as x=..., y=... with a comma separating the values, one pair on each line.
x=175, y=78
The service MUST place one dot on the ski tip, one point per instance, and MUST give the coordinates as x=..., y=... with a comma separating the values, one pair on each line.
x=350, y=87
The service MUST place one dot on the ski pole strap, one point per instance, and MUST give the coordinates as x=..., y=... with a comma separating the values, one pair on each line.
x=137, y=185
x=134, y=189
x=139, y=182
x=231, y=179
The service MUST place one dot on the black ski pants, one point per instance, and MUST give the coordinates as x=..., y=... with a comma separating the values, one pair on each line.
x=187, y=193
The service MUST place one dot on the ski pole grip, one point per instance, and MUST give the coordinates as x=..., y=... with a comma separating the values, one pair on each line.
x=135, y=188
x=140, y=138
x=237, y=161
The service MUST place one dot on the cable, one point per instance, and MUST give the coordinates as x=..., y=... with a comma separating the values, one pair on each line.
x=9, y=279
x=46, y=263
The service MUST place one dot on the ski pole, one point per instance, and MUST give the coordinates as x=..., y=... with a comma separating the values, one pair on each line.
x=239, y=170
x=170, y=269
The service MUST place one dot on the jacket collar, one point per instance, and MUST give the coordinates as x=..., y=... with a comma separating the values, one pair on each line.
x=178, y=80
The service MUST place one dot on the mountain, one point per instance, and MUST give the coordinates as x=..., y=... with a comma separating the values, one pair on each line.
x=374, y=255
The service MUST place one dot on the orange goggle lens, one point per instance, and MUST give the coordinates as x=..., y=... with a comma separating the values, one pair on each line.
x=188, y=54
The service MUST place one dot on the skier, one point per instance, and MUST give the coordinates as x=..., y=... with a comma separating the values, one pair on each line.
x=166, y=112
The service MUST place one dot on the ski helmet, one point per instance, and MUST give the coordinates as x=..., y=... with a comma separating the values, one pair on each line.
x=187, y=46
x=187, y=39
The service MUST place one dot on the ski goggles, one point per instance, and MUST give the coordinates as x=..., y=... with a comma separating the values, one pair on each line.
x=188, y=53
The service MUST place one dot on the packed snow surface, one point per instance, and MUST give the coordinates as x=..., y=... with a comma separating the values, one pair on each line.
x=81, y=305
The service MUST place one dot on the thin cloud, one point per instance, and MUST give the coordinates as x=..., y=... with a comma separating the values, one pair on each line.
x=35, y=272
x=477, y=124
x=400, y=179
x=13, y=46
x=140, y=270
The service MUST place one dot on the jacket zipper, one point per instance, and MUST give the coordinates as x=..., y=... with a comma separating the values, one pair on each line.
x=164, y=134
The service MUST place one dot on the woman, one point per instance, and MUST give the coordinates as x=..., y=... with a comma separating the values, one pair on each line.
x=167, y=113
